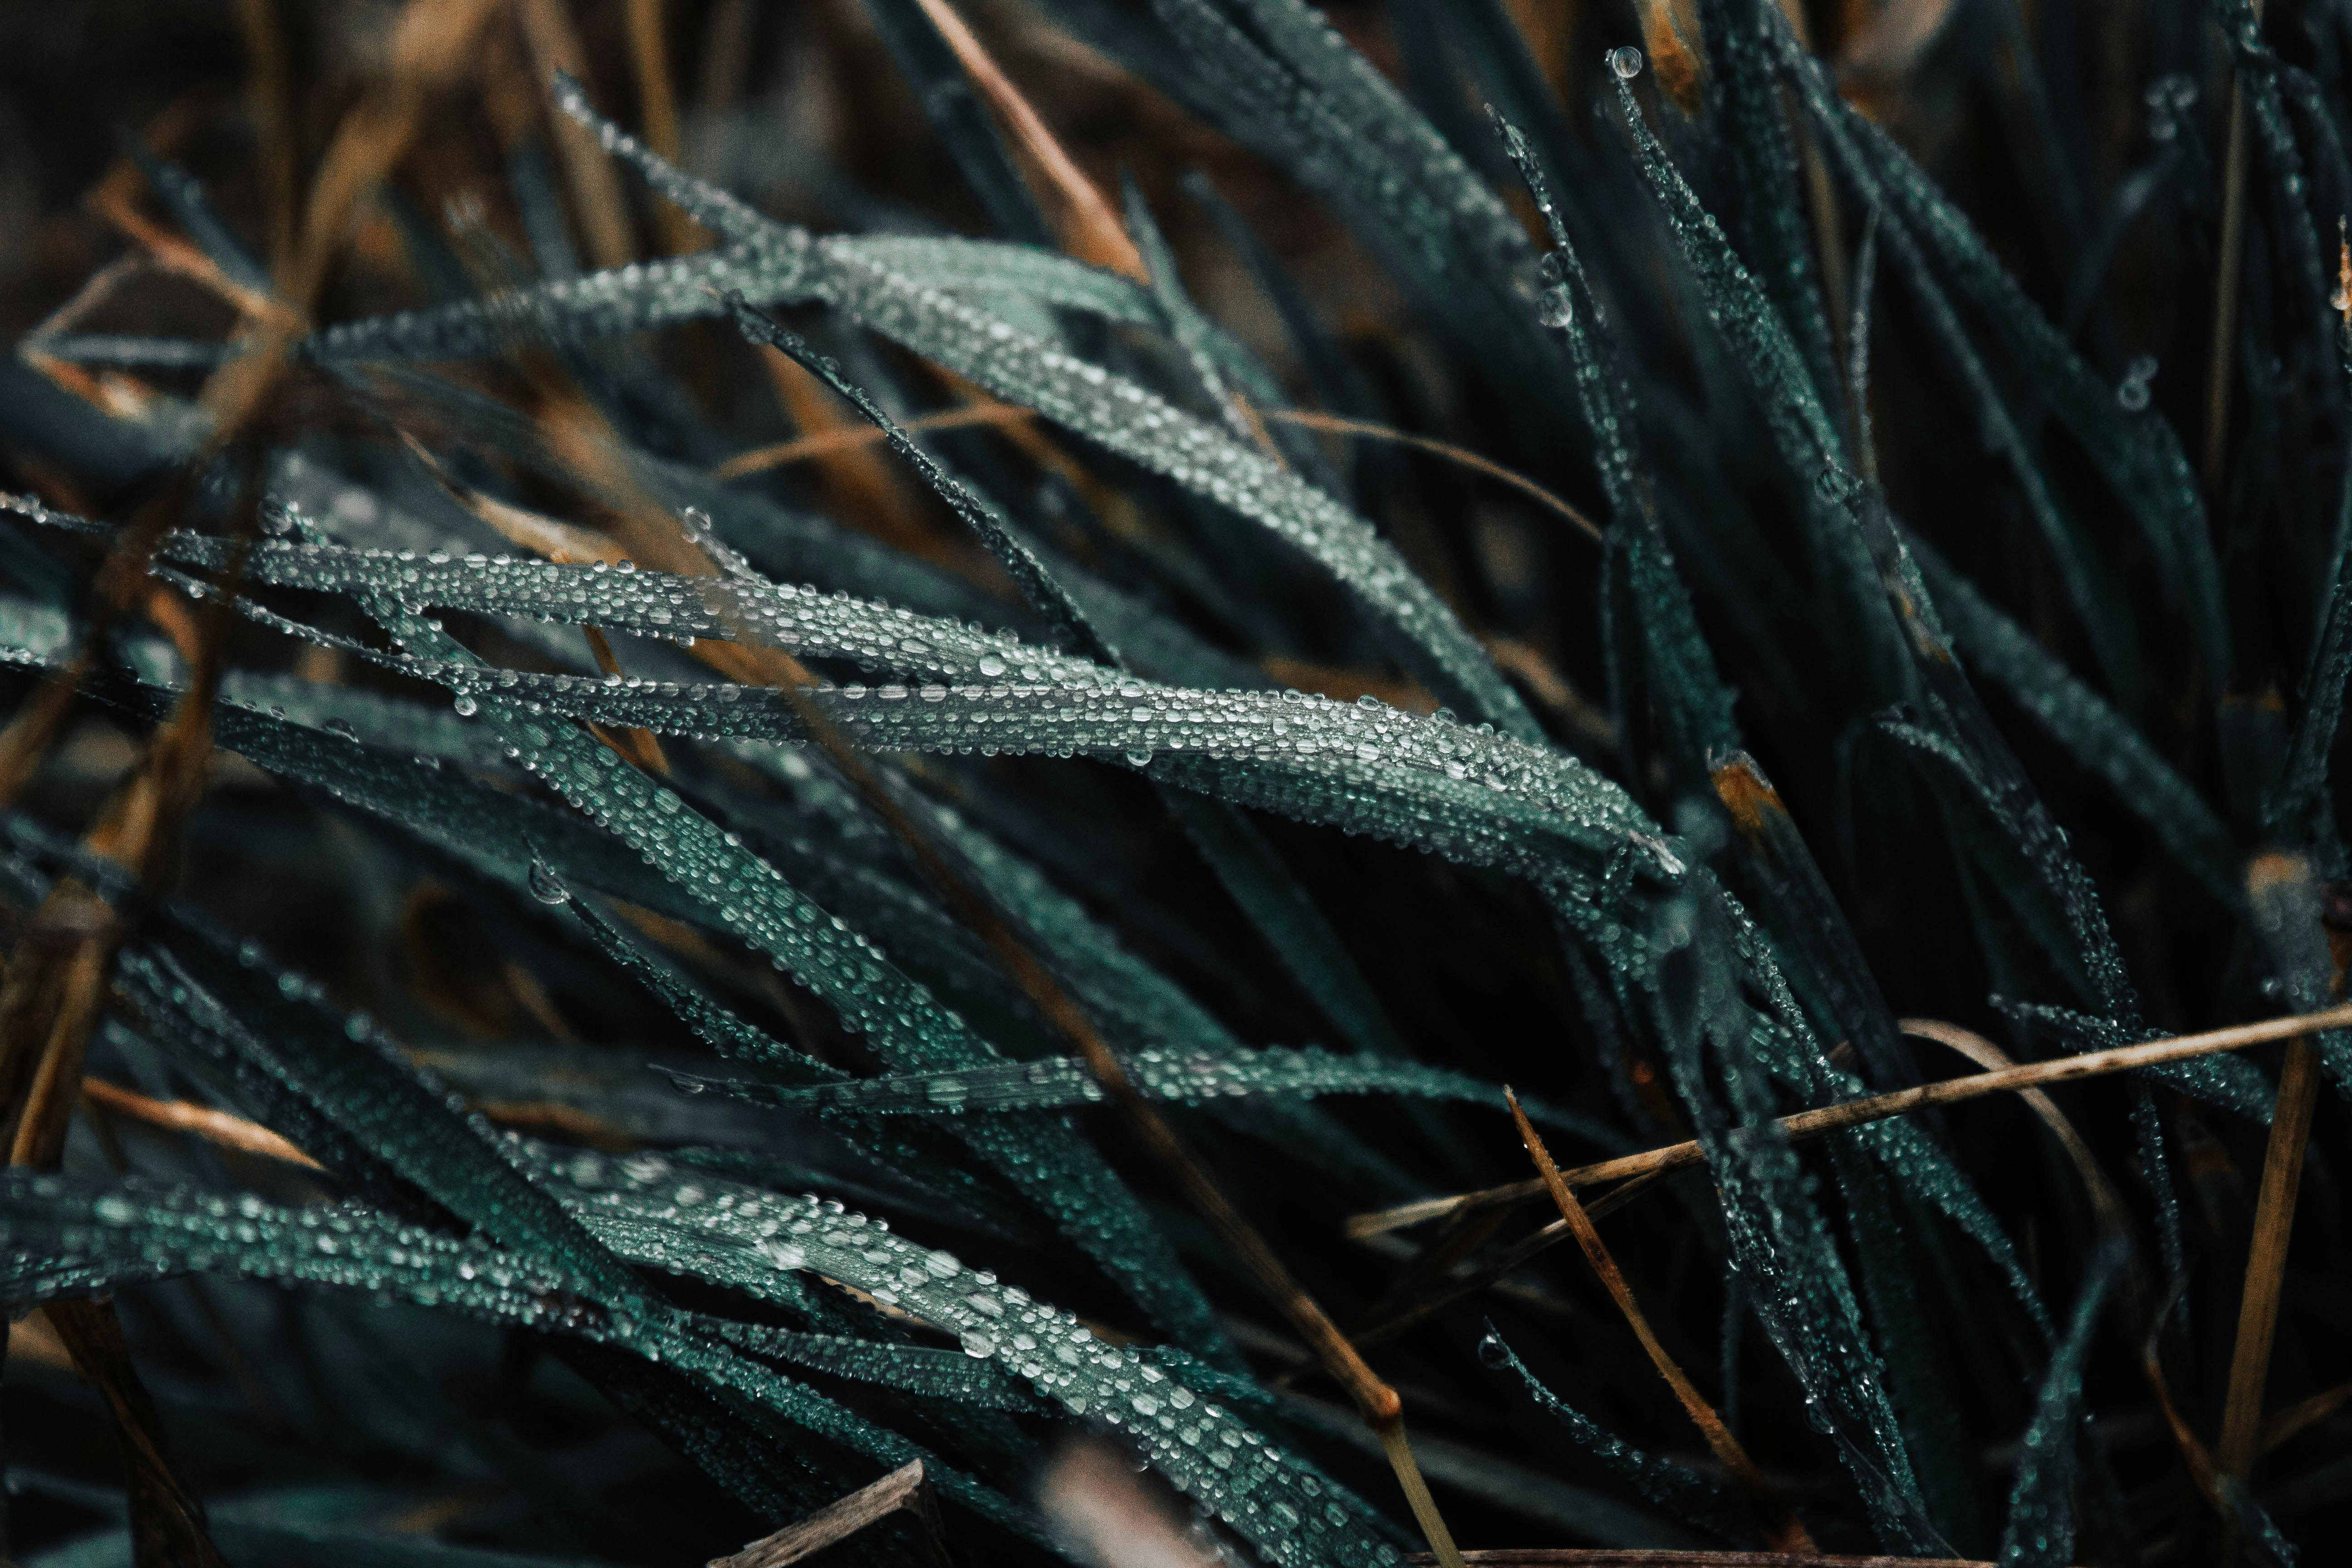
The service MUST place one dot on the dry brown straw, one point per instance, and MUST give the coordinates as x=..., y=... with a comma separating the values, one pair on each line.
x=1880, y=1107
x=1782, y=1530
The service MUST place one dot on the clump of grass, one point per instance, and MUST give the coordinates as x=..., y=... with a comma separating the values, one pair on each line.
x=792, y=774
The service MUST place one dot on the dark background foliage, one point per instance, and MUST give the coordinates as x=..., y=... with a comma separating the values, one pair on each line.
x=2152, y=630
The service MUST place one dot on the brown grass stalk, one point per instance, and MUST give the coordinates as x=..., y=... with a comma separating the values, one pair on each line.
x=1880, y=1107
x=1782, y=1530
x=905, y=1490
x=598, y=203
x=1082, y=220
x=658, y=108
x=2250, y=1362
x=217, y=1127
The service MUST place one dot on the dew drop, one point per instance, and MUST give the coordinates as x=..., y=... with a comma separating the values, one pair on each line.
x=464, y=705
x=978, y=1344
x=546, y=887
x=1625, y=62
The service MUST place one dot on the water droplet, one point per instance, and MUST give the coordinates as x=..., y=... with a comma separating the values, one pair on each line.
x=546, y=887
x=978, y=1344
x=115, y=1209
x=1492, y=1352
x=1554, y=307
x=2132, y=394
x=464, y=705
x=1625, y=62
x=343, y=727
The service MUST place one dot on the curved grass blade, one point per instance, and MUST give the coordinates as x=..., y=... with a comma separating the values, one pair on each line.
x=2039, y=1532
x=2079, y=719
x=2298, y=807
x=1798, y=1285
x=903, y=1023
x=1186, y=1078
x=1683, y=1492
x=1243, y=862
x=2141, y=457
x=65, y=1238
x=769, y=262
x=1695, y=709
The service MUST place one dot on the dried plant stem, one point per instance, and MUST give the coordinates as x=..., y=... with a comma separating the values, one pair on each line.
x=658, y=108
x=906, y=1489
x=598, y=203
x=847, y=438
x=1461, y=455
x=179, y=1116
x=166, y=1522
x=638, y=746
x=1782, y=1530
x=2280, y=1425
x=2105, y=1201
x=2194, y=1458
x=1880, y=1107
x=1512, y=1258
x=2225, y=291
x=2241, y=1419
x=271, y=95
x=857, y=480
x=1082, y=220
